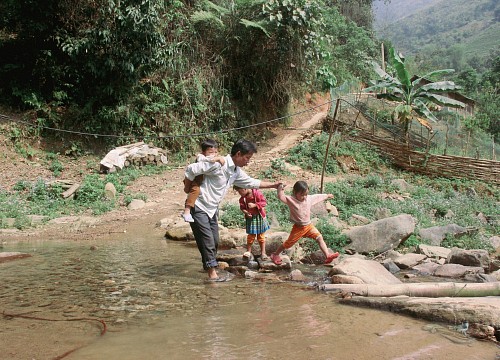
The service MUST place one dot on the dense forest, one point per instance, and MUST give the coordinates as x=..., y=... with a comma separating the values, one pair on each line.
x=168, y=67
x=162, y=70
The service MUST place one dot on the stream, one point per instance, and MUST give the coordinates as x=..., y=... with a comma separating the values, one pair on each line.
x=153, y=298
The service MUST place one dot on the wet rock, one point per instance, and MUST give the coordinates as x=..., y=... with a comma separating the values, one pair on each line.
x=456, y=270
x=346, y=279
x=426, y=268
x=179, y=231
x=478, y=258
x=296, y=275
x=482, y=331
x=391, y=266
x=317, y=258
x=409, y=260
x=6, y=256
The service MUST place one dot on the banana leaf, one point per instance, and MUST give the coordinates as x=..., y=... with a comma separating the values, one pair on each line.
x=442, y=100
x=440, y=86
x=403, y=75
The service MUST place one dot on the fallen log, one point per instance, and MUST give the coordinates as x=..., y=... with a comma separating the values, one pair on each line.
x=417, y=289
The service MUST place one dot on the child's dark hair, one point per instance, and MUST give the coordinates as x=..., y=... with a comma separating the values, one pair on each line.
x=300, y=187
x=209, y=143
x=236, y=188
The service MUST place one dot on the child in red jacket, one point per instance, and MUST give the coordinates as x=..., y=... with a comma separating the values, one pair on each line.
x=252, y=204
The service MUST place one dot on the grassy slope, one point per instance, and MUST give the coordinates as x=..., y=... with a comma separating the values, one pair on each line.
x=470, y=24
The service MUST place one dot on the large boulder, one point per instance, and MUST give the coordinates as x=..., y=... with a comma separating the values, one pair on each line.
x=381, y=235
x=368, y=271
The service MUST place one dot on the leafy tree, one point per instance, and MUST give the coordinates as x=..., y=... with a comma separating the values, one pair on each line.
x=412, y=97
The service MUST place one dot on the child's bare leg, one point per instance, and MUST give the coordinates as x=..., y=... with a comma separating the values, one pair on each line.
x=262, y=243
x=263, y=249
x=322, y=245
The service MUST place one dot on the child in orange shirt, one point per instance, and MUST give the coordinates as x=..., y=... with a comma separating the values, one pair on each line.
x=252, y=204
x=209, y=152
x=300, y=204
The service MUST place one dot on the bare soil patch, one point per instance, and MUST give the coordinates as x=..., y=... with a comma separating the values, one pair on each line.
x=163, y=191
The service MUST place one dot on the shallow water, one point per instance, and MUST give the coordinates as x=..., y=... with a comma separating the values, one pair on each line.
x=156, y=305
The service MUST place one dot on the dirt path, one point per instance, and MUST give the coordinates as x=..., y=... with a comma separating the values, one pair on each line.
x=163, y=191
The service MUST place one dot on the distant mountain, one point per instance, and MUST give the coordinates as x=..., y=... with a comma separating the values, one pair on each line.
x=413, y=25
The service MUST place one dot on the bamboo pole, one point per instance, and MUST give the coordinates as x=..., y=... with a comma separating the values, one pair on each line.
x=328, y=144
x=444, y=289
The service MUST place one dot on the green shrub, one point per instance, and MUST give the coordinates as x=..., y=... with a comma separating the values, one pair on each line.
x=232, y=217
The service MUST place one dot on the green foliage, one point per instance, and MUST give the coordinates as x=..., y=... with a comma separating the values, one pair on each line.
x=467, y=242
x=232, y=217
x=332, y=236
x=432, y=33
x=54, y=164
x=276, y=170
x=310, y=154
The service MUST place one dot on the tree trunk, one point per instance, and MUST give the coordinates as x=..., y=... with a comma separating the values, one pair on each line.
x=418, y=289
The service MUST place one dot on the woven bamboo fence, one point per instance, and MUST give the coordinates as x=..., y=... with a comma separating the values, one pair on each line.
x=433, y=165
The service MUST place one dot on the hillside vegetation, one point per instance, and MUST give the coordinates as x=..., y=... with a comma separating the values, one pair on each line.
x=415, y=27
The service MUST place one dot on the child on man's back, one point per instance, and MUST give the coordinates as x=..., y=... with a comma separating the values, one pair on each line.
x=209, y=152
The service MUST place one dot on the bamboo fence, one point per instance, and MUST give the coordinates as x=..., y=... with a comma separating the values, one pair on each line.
x=433, y=165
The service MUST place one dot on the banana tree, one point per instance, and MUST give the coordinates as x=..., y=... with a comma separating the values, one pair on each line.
x=412, y=97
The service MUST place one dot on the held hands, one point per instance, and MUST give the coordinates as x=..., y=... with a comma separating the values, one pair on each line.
x=247, y=214
x=280, y=186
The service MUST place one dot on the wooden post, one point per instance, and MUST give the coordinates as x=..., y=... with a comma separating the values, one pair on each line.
x=446, y=138
x=328, y=144
x=493, y=155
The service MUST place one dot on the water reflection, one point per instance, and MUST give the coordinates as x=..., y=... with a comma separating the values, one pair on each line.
x=152, y=295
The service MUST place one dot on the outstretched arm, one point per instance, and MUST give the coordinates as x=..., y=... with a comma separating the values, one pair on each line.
x=269, y=185
x=281, y=192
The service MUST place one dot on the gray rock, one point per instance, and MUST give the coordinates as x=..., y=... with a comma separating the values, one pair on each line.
x=391, y=266
x=381, y=235
x=109, y=191
x=433, y=251
x=436, y=234
x=426, y=268
x=456, y=270
x=368, y=271
x=409, y=260
x=136, y=204
x=478, y=258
